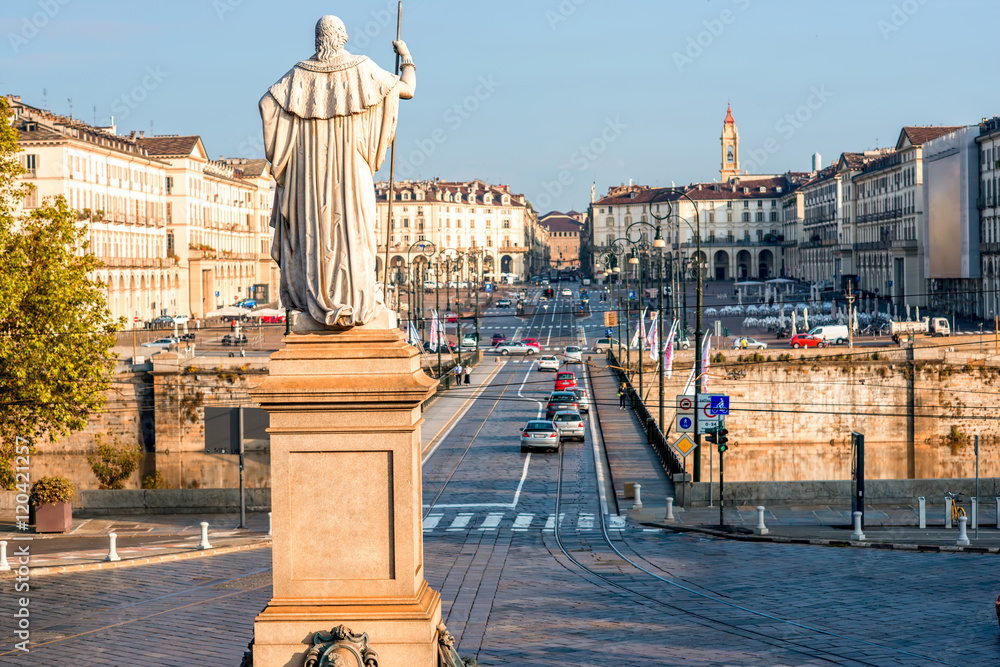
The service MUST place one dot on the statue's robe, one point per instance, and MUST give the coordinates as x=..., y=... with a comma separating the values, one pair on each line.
x=327, y=128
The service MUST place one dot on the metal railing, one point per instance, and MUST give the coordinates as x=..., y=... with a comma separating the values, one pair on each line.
x=655, y=437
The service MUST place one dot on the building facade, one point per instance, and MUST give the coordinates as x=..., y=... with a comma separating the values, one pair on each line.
x=118, y=191
x=565, y=232
x=478, y=226
x=988, y=206
x=218, y=231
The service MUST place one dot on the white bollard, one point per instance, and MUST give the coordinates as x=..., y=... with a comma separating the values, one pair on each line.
x=922, y=508
x=963, y=537
x=975, y=513
x=204, y=536
x=670, y=509
x=4, y=565
x=112, y=548
x=857, y=535
x=760, y=529
x=638, y=497
x=947, y=512
x=269, y=524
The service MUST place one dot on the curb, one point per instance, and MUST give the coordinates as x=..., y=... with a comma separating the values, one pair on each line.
x=779, y=539
x=132, y=562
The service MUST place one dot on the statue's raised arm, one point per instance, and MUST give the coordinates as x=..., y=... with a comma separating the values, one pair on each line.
x=328, y=124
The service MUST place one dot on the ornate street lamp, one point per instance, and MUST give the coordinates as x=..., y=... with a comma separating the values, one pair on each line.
x=427, y=250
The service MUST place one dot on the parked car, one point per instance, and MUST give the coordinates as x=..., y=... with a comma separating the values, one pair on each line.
x=567, y=292
x=160, y=342
x=503, y=303
x=469, y=340
x=570, y=425
x=603, y=345
x=807, y=340
x=514, y=347
x=561, y=400
x=752, y=343
x=272, y=319
x=832, y=333
x=162, y=321
x=565, y=380
x=181, y=319
x=574, y=353
x=234, y=340
x=246, y=303
x=548, y=362
x=539, y=434
x=499, y=338
x=532, y=342
x=450, y=318
x=583, y=399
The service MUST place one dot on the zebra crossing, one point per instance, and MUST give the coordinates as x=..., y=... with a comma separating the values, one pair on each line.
x=516, y=522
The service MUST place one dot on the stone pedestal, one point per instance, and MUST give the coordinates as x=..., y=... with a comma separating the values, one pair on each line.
x=346, y=497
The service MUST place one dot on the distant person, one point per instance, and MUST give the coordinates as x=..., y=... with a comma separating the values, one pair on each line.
x=458, y=373
x=621, y=396
x=468, y=375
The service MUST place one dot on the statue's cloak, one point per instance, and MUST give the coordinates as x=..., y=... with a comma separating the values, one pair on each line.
x=327, y=129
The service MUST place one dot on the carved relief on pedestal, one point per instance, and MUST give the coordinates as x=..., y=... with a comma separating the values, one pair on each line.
x=340, y=648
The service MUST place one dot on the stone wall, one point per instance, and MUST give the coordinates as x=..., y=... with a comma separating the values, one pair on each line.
x=792, y=412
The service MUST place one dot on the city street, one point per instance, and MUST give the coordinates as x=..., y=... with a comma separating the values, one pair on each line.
x=533, y=569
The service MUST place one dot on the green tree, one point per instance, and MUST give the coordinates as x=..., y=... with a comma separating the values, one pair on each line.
x=56, y=332
x=114, y=461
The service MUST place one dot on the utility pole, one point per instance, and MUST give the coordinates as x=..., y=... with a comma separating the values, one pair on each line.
x=850, y=315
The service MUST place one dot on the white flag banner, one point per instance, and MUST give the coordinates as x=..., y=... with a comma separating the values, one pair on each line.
x=414, y=337
x=433, y=342
x=640, y=331
x=668, y=352
x=705, y=360
x=651, y=339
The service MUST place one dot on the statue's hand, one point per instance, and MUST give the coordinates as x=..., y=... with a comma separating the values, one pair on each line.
x=400, y=48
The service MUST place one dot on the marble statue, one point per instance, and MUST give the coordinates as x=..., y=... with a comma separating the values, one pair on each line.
x=328, y=124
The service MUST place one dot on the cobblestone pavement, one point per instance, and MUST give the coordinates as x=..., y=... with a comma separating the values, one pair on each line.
x=512, y=596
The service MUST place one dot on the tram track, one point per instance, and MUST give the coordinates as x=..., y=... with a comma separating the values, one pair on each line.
x=633, y=580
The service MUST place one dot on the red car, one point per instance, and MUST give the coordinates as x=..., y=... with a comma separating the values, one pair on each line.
x=450, y=318
x=565, y=381
x=532, y=342
x=273, y=319
x=805, y=340
x=499, y=338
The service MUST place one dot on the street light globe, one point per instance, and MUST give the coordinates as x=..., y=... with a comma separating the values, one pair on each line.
x=616, y=270
x=633, y=260
x=659, y=243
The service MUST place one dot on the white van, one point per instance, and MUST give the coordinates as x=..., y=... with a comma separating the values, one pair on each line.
x=835, y=334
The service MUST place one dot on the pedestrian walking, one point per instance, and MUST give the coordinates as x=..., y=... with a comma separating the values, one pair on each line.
x=621, y=396
x=458, y=373
x=468, y=375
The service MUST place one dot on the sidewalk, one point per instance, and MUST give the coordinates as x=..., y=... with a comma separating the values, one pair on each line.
x=147, y=539
x=630, y=457
x=895, y=526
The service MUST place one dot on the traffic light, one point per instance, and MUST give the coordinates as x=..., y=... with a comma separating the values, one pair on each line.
x=721, y=438
x=712, y=437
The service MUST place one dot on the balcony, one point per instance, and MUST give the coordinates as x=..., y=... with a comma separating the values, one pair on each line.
x=872, y=245
x=989, y=247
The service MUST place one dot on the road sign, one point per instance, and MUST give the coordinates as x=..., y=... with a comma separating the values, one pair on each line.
x=684, y=445
x=489, y=287
x=707, y=419
x=685, y=403
x=608, y=332
x=631, y=294
x=216, y=294
x=610, y=319
x=685, y=413
x=719, y=404
x=685, y=423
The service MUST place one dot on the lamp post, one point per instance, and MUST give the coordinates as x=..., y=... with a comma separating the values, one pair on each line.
x=437, y=309
x=617, y=271
x=698, y=334
x=427, y=250
x=637, y=249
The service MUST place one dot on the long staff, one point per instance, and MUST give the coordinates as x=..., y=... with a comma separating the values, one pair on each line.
x=392, y=174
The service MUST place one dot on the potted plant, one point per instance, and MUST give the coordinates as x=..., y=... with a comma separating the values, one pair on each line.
x=51, y=497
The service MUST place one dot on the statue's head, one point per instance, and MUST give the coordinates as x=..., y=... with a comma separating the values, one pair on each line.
x=331, y=35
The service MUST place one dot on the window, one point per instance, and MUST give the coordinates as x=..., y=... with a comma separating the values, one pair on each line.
x=406, y=222
x=711, y=216
x=746, y=216
x=774, y=216
x=760, y=216
x=729, y=216
x=611, y=221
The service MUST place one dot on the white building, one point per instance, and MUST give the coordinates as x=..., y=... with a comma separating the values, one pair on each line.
x=119, y=192
x=988, y=203
x=459, y=217
x=218, y=215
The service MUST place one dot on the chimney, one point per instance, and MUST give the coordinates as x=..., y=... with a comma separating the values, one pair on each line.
x=142, y=134
x=817, y=162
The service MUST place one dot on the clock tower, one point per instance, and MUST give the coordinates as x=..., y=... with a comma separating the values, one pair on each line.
x=730, y=147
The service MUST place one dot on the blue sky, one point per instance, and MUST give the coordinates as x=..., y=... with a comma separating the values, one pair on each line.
x=547, y=96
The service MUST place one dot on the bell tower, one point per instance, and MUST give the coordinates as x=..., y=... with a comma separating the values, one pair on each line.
x=730, y=147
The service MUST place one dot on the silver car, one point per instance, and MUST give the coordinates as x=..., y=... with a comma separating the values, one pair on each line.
x=539, y=434
x=582, y=399
x=574, y=353
x=514, y=347
x=570, y=425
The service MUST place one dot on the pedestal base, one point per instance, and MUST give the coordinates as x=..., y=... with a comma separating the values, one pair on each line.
x=403, y=634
